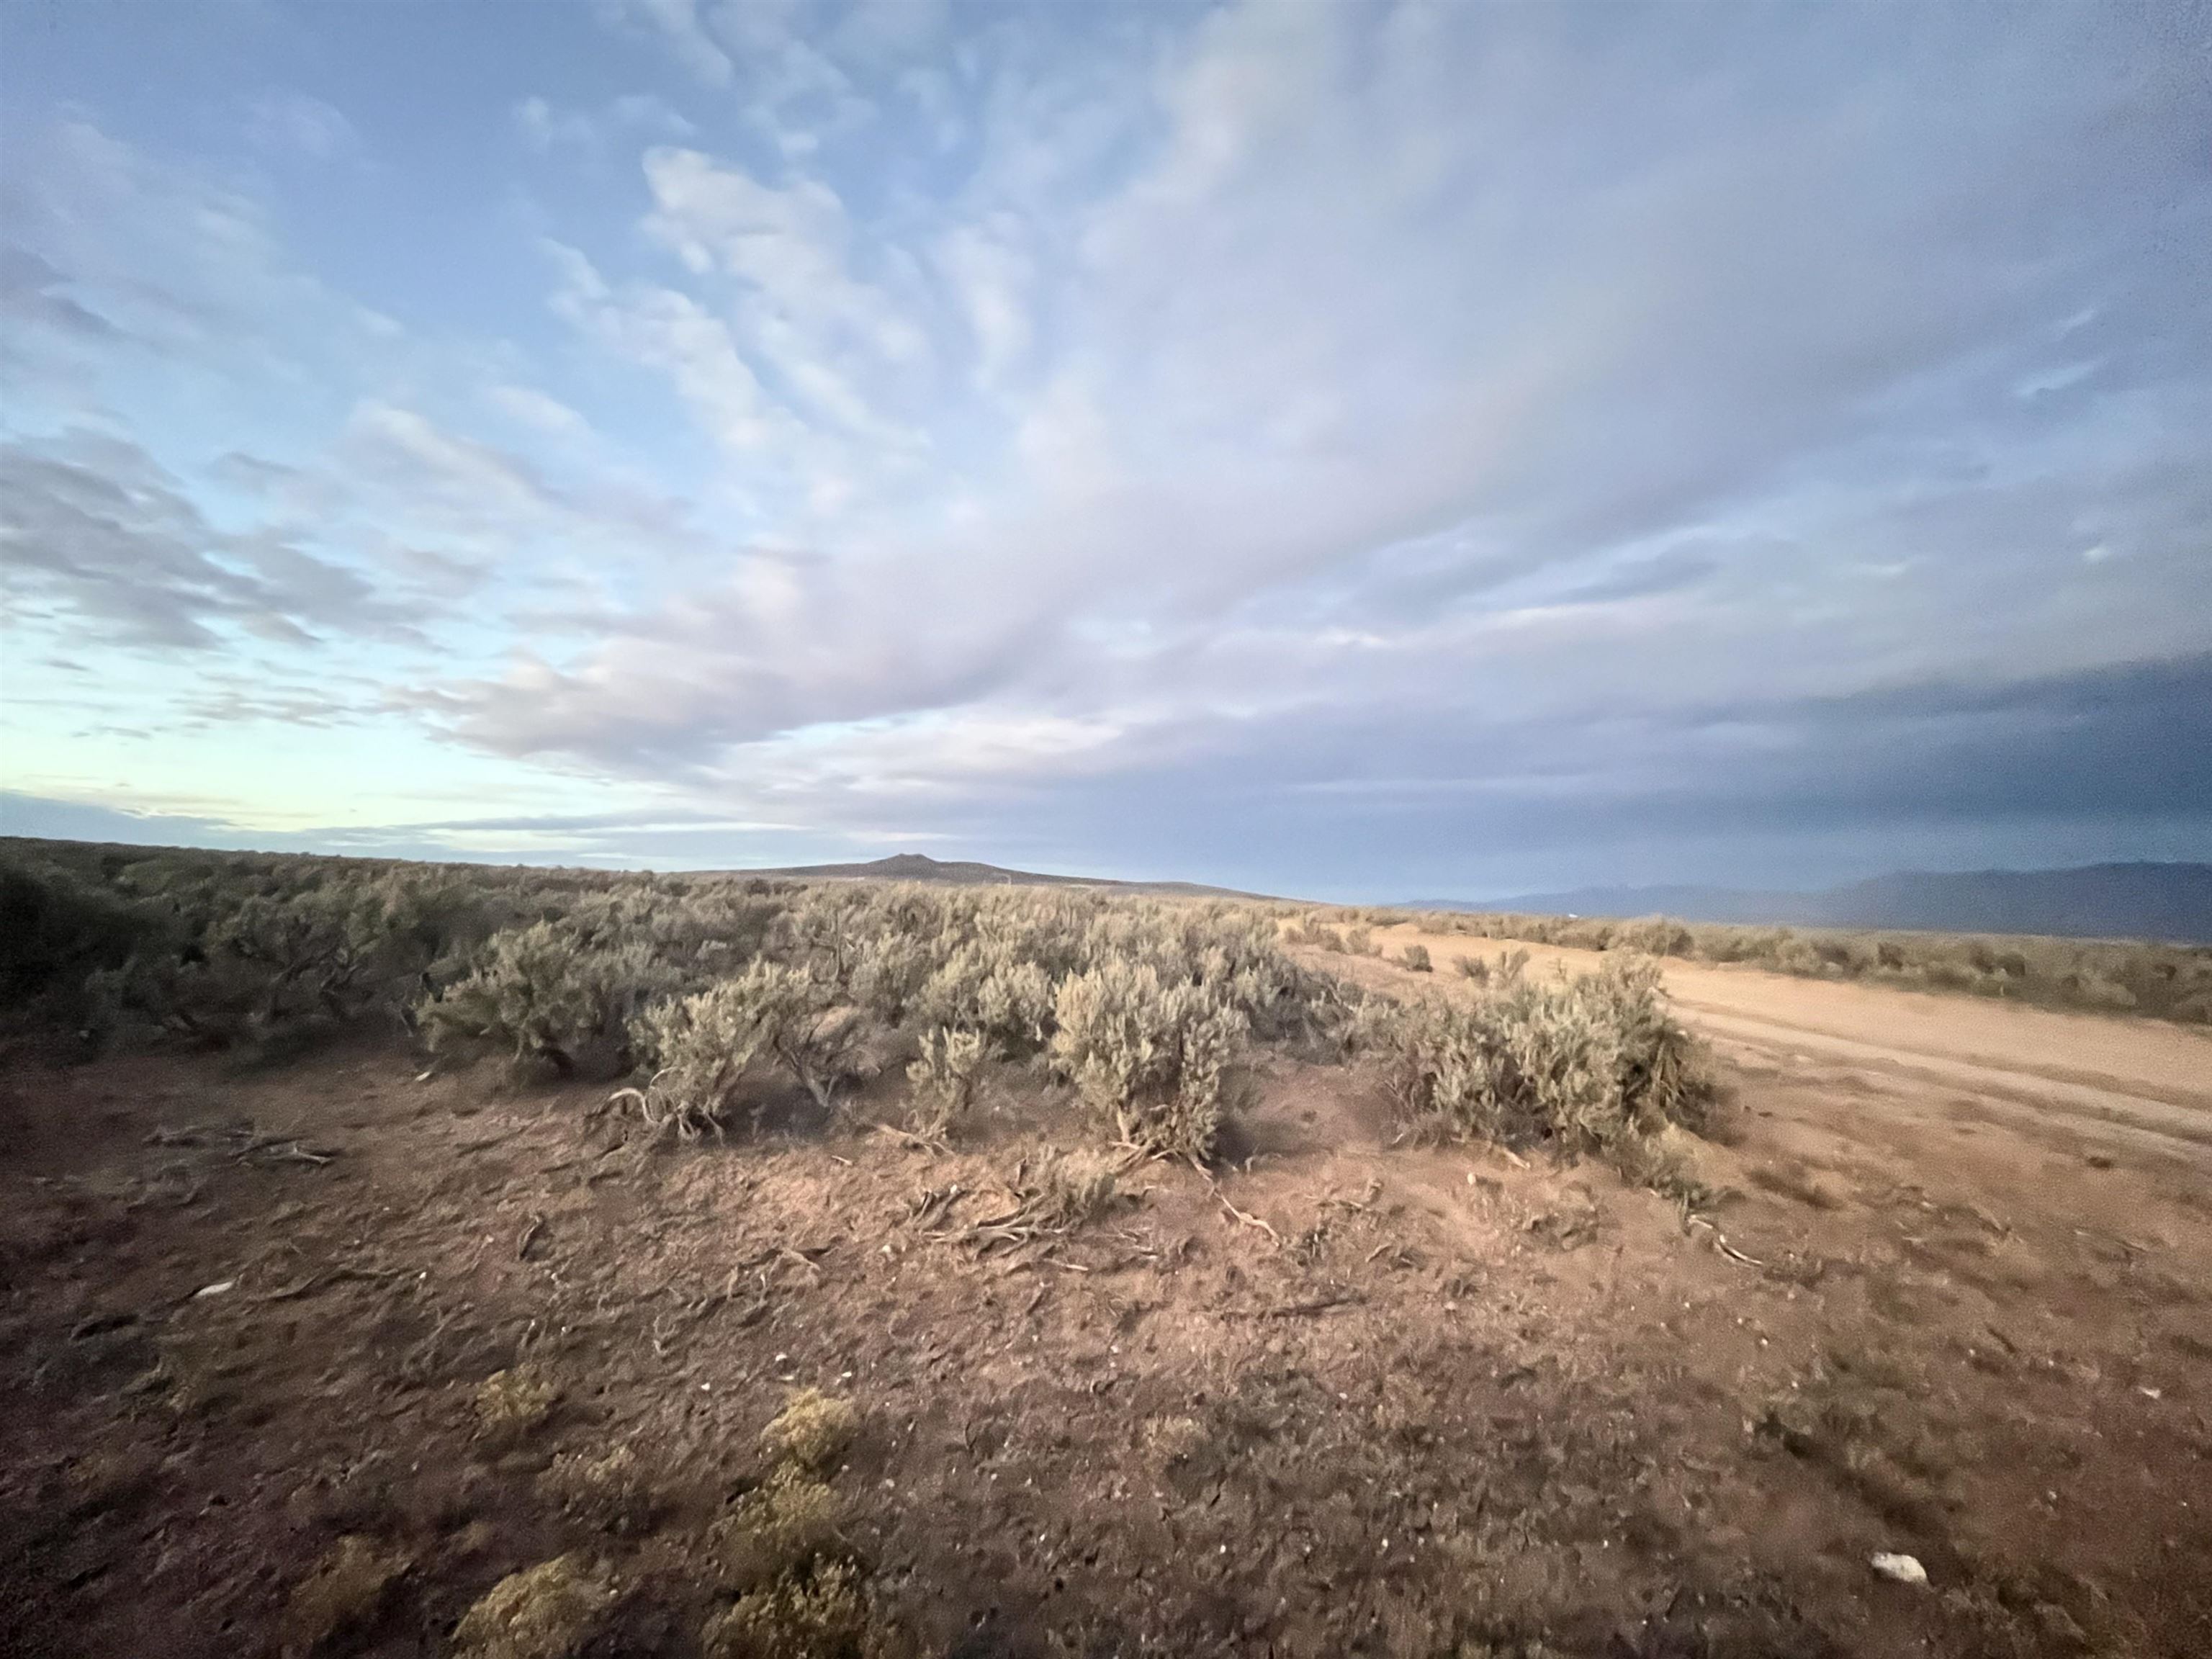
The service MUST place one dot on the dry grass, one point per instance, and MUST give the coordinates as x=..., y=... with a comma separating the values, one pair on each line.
x=547, y=1612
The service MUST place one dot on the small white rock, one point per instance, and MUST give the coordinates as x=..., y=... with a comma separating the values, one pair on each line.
x=1899, y=1569
x=220, y=1287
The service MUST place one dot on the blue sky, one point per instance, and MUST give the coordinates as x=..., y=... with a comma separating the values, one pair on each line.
x=1360, y=451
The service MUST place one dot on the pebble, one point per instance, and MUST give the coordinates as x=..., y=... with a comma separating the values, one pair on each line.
x=1899, y=1569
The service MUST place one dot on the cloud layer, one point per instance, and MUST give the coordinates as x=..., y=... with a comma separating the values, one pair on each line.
x=1310, y=447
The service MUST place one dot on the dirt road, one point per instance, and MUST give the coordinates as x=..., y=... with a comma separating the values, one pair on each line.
x=2032, y=1064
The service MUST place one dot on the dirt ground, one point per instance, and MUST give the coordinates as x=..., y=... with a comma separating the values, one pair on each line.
x=1954, y=1300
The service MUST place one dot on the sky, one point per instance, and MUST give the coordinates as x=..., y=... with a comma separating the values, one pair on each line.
x=1361, y=452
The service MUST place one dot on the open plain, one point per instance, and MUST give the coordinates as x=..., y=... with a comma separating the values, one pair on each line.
x=1945, y=1290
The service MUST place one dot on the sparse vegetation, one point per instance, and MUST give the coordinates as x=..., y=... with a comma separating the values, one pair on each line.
x=811, y=1432
x=780, y=1528
x=509, y=1404
x=548, y=1612
x=2168, y=982
x=612, y=1490
x=345, y=1594
x=818, y=1613
x=1376, y=1355
x=1590, y=1063
x=944, y=1079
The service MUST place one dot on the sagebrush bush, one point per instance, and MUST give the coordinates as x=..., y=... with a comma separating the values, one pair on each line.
x=1588, y=1064
x=812, y=1430
x=944, y=1079
x=783, y=1526
x=1060, y=1189
x=821, y=1614
x=1150, y=1058
x=546, y=1612
x=548, y=992
x=701, y=1047
x=1416, y=957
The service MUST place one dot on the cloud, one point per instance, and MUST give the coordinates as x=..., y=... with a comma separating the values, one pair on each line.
x=292, y=124
x=1490, y=426
x=545, y=127
x=92, y=526
x=677, y=25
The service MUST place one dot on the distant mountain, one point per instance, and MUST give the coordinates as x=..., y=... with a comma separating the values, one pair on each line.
x=2172, y=901
x=960, y=872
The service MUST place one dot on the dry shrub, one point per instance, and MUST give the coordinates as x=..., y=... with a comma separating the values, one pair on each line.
x=1062, y=1190
x=546, y=1612
x=510, y=1404
x=782, y=1527
x=812, y=1430
x=944, y=1079
x=702, y=1046
x=1150, y=1057
x=818, y=1613
x=1592, y=1064
x=547, y=993
x=1415, y=957
x=345, y=1596
x=614, y=1493
x=1359, y=942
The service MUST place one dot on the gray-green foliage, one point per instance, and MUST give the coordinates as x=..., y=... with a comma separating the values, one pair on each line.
x=944, y=1077
x=549, y=992
x=1589, y=1064
x=1149, y=1056
x=702, y=1047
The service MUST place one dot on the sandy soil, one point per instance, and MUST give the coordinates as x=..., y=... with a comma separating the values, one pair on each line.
x=1358, y=1397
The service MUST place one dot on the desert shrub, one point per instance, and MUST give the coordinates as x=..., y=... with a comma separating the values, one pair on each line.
x=820, y=1613
x=1150, y=1058
x=812, y=1430
x=509, y=1404
x=547, y=1612
x=782, y=1527
x=986, y=986
x=547, y=993
x=701, y=1047
x=1060, y=1190
x=1656, y=936
x=1359, y=942
x=1588, y=1064
x=613, y=1491
x=889, y=975
x=1475, y=968
x=345, y=1595
x=944, y=1079
x=1416, y=958
x=57, y=928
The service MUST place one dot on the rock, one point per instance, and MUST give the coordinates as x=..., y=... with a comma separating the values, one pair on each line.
x=1899, y=1569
